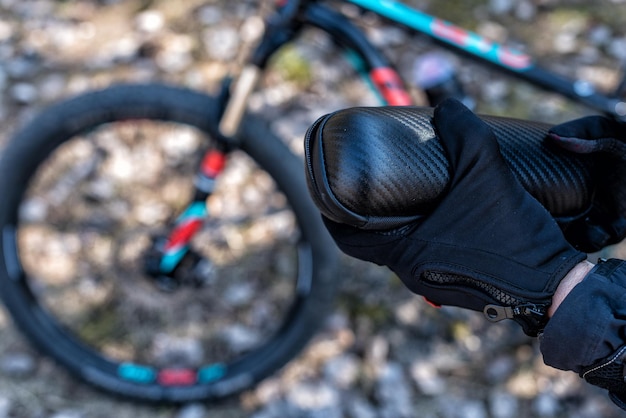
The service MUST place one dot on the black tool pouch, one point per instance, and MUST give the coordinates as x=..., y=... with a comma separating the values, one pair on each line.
x=380, y=168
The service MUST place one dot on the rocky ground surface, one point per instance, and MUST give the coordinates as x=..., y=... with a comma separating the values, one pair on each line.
x=384, y=353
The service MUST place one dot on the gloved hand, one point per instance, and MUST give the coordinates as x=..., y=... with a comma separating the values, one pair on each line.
x=487, y=246
x=604, y=138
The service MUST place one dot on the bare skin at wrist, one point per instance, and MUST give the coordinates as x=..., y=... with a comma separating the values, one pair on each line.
x=575, y=276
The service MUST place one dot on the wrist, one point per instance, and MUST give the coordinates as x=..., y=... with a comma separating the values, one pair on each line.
x=573, y=278
x=590, y=323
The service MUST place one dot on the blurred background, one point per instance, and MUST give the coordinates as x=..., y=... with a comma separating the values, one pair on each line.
x=384, y=352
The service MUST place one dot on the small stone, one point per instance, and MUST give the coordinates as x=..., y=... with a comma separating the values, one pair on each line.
x=474, y=409
x=150, y=21
x=453, y=407
x=343, y=371
x=525, y=11
x=240, y=338
x=5, y=407
x=546, y=405
x=239, y=294
x=600, y=35
x=501, y=7
x=500, y=369
x=70, y=413
x=170, y=350
x=312, y=396
x=393, y=392
x=503, y=405
x=617, y=48
x=427, y=379
x=194, y=410
x=17, y=364
x=221, y=43
x=210, y=15
x=24, y=93
x=52, y=87
x=21, y=68
x=377, y=352
x=358, y=407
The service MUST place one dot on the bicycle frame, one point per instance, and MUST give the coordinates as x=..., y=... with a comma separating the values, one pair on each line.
x=296, y=14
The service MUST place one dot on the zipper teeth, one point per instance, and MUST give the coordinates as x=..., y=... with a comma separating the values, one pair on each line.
x=307, y=142
x=441, y=278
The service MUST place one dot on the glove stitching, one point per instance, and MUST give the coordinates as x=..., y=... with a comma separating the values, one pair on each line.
x=612, y=360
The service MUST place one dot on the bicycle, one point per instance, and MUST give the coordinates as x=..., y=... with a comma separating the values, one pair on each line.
x=194, y=255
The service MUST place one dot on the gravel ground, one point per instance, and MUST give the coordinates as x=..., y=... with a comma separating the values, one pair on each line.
x=384, y=353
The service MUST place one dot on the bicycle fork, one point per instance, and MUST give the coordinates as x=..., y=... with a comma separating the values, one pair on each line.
x=172, y=254
x=170, y=261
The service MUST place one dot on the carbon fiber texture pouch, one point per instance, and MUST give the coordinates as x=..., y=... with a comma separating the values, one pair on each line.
x=382, y=167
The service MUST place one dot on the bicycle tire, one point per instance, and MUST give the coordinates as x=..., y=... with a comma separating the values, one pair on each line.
x=42, y=138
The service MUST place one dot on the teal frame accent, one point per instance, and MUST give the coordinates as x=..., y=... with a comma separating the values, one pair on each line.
x=443, y=31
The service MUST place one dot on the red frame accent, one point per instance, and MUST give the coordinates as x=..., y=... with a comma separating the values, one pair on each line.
x=213, y=163
x=390, y=85
x=182, y=234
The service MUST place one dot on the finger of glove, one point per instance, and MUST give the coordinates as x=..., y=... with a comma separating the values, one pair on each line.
x=587, y=146
x=590, y=134
x=591, y=127
x=468, y=141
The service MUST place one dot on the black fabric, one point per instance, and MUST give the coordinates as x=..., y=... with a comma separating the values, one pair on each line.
x=587, y=332
x=494, y=240
x=605, y=223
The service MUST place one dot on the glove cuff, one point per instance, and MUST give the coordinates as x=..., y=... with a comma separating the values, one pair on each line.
x=589, y=324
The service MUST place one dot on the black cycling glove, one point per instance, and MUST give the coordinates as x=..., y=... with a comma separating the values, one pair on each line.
x=605, y=223
x=488, y=245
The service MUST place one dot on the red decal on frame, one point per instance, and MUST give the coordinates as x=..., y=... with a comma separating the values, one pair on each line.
x=390, y=86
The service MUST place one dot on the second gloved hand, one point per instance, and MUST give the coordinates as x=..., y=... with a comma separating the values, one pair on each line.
x=603, y=138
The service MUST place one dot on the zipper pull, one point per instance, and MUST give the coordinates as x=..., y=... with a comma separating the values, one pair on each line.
x=495, y=313
x=532, y=317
